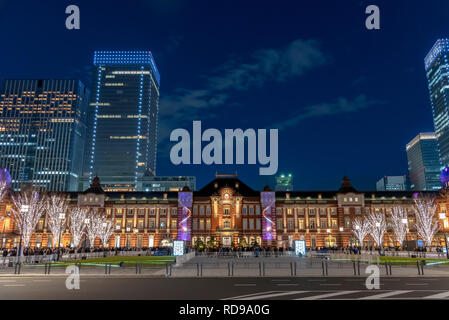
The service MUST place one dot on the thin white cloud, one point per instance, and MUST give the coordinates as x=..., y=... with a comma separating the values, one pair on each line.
x=339, y=106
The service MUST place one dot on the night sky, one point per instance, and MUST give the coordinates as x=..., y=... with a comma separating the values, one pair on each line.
x=345, y=99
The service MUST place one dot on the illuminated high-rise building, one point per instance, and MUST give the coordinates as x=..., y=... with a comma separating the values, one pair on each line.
x=424, y=163
x=123, y=119
x=392, y=183
x=284, y=182
x=437, y=70
x=42, y=132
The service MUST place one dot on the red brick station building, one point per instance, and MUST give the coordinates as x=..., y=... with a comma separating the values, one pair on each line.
x=231, y=213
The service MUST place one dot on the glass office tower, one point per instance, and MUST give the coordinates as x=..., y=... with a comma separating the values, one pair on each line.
x=392, y=183
x=423, y=162
x=42, y=132
x=123, y=119
x=284, y=182
x=437, y=70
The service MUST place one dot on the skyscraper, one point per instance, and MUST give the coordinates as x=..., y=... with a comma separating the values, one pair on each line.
x=392, y=183
x=423, y=162
x=437, y=70
x=123, y=119
x=284, y=182
x=42, y=132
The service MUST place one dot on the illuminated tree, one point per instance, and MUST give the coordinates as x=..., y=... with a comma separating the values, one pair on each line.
x=77, y=224
x=106, y=231
x=377, y=227
x=426, y=222
x=26, y=212
x=94, y=223
x=56, y=208
x=361, y=229
x=3, y=189
x=399, y=223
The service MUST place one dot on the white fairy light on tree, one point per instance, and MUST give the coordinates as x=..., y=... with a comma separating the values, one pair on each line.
x=377, y=227
x=360, y=228
x=426, y=222
x=399, y=223
x=93, y=226
x=77, y=218
x=3, y=189
x=56, y=208
x=106, y=231
x=26, y=212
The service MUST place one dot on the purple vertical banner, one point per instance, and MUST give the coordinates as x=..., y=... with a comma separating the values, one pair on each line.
x=268, y=202
x=184, y=216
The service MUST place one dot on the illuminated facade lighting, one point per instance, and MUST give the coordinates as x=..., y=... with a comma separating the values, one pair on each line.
x=43, y=126
x=437, y=71
x=124, y=115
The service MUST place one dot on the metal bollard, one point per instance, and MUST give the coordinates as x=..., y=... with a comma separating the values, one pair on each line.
x=18, y=268
x=422, y=267
x=386, y=267
x=166, y=270
x=47, y=268
x=229, y=269
x=322, y=267
x=353, y=266
x=260, y=268
x=197, y=269
x=419, y=270
x=232, y=268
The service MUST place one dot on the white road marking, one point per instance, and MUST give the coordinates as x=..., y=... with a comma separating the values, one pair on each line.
x=287, y=284
x=244, y=285
x=441, y=295
x=416, y=284
x=7, y=281
x=279, y=294
x=248, y=295
x=41, y=280
x=391, y=279
x=327, y=295
x=279, y=280
x=386, y=294
x=354, y=280
x=14, y=285
x=317, y=280
x=330, y=284
x=427, y=279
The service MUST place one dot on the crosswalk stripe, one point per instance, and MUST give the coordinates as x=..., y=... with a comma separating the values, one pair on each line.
x=328, y=295
x=248, y=295
x=441, y=295
x=385, y=295
x=279, y=294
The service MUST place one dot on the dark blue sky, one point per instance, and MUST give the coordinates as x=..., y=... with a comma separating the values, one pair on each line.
x=346, y=100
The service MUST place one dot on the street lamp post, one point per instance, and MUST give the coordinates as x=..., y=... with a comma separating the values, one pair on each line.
x=443, y=217
x=24, y=210
x=405, y=222
x=4, y=229
x=62, y=219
